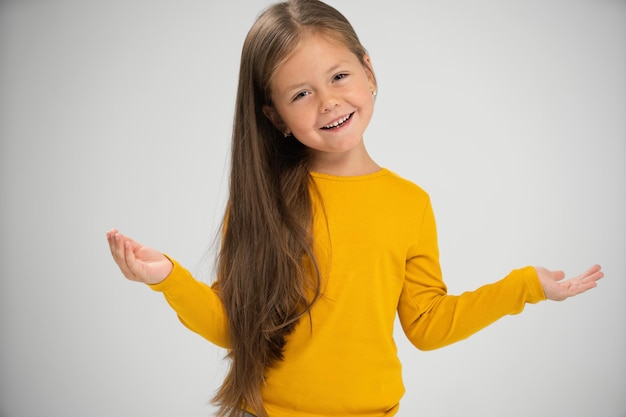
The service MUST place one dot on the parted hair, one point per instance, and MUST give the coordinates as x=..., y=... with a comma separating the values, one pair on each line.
x=267, y=274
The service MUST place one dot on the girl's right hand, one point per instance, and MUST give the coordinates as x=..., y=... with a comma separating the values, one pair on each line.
x=138, y=263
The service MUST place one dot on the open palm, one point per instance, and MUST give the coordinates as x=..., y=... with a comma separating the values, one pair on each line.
x=557, y=288
x=137, y=262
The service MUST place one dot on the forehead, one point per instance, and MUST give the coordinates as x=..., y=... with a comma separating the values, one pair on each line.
x=314, y=55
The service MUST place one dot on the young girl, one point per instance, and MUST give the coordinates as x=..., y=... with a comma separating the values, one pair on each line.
x=321, y=247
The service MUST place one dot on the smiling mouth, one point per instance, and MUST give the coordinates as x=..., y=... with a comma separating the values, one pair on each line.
x=338, y=122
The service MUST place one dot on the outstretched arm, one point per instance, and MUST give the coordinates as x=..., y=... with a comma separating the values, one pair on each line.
x=137, y=262
x=432, y=319
x=197, y=305
x=557, y=289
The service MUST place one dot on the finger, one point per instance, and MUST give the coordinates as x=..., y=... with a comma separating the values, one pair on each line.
x=589, y=277
x=131, y=260
x=593, y=278
x=594, y=273
x=119, y=254
x=113, y=243
x=114, y=240
x=585, y=281
x=110, y=235
x=580, y=287
x=558, y=275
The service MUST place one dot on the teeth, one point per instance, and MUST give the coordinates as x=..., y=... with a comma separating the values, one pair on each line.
x=337, y=123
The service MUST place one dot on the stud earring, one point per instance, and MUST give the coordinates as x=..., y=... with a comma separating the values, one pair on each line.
x=286, y=134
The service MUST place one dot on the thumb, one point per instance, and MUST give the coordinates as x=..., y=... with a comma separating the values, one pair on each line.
x=558, y=275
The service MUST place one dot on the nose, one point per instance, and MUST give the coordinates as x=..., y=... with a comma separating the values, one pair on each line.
x=328, y=101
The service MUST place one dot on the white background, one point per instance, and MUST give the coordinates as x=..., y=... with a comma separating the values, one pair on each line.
x=511, y=114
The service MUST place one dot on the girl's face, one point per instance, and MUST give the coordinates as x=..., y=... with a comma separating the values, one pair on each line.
x=323, y=95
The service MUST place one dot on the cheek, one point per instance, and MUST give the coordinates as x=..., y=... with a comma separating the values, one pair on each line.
x=288, y=115
x=366, y=99
x=367, y=105
x=363, y=93
x=304, y=114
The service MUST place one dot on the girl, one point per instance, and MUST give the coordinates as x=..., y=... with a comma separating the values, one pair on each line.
x=321, y=247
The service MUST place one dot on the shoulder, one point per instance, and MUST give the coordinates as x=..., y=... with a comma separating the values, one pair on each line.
x=404, y=187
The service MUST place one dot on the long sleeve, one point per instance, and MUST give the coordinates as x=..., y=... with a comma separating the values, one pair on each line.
x=432, y=319
x=376, y=249
x=197, y=305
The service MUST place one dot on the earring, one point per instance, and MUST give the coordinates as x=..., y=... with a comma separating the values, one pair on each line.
x=374, y=92
x=287, y=134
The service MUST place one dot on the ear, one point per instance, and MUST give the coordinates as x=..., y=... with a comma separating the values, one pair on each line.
x=271, y=113
x=369, y=70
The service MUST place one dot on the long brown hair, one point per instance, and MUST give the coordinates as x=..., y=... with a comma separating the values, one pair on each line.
x=263, y=280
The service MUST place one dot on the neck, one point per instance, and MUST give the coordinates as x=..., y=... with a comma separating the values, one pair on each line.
x=344, y=164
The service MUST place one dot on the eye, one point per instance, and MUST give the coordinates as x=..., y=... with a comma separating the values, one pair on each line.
x=300, y=95
x=340, y=76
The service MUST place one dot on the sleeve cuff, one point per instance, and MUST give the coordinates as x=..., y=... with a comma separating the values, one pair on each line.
x=171, y=280
x=535, y=290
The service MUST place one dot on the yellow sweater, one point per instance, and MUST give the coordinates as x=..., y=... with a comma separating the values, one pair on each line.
x=377, y=250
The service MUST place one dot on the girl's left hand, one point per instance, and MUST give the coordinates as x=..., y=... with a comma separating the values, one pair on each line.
x=558, y=289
